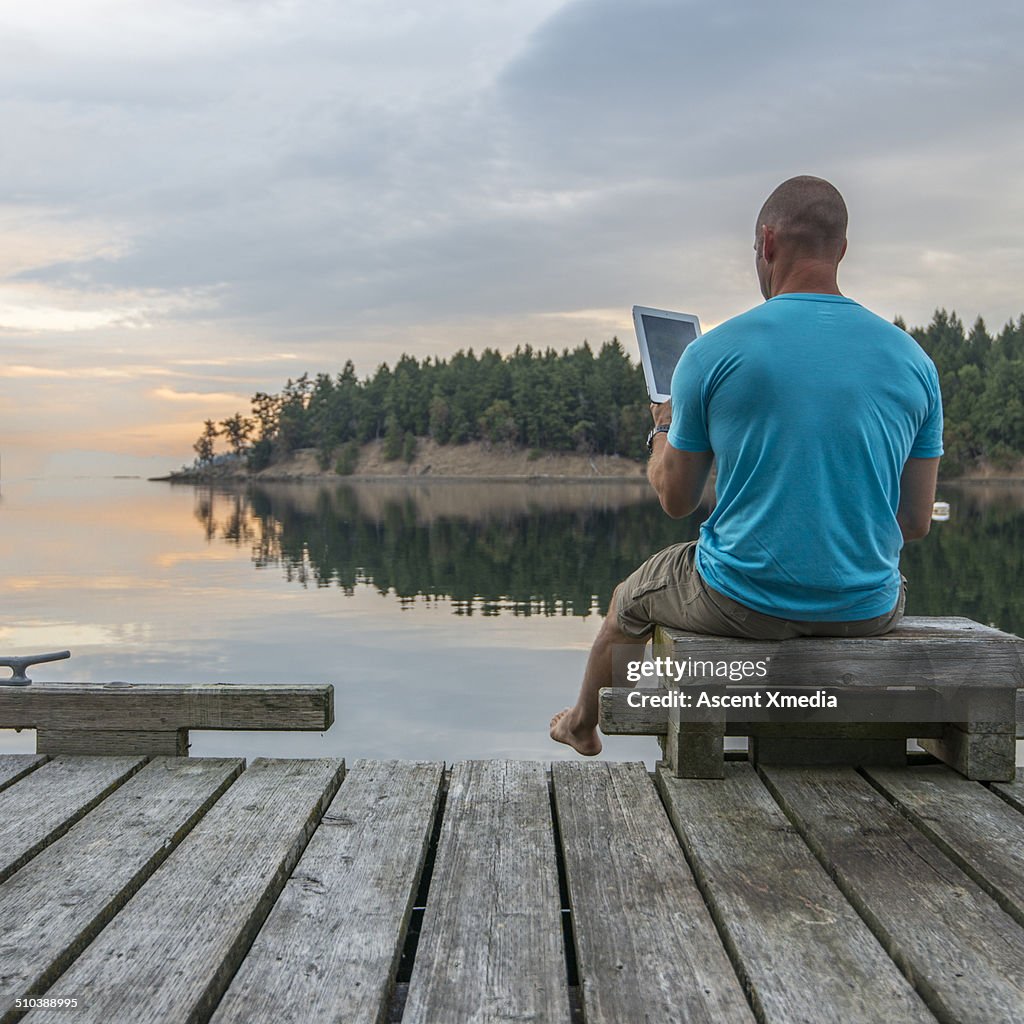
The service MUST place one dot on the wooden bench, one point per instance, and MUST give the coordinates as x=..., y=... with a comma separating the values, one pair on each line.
x=155, y=718
x=950, y=683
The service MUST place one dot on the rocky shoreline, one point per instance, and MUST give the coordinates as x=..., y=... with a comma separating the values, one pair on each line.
x=477, y=461
x=433, y=462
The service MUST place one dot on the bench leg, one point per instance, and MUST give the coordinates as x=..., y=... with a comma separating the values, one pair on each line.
x=983, y=747
x=981, y=756
x=695, y=749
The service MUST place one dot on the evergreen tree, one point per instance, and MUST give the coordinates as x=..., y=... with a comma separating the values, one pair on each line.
x=204, y=445
x=579, y=400
x=236, y=431
x=393, y=439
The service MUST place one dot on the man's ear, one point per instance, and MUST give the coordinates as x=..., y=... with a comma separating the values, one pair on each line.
x=842, y=252
x=767, y=243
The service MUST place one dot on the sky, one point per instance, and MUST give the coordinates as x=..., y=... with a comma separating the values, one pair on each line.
x=203, y=198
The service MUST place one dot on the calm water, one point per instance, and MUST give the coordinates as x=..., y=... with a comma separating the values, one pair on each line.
x=452, y=618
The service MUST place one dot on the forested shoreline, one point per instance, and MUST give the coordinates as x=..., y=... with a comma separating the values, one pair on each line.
x=579, y=401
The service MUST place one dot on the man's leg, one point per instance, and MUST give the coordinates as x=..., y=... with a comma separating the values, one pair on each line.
x=577, y=726
x=666, y=589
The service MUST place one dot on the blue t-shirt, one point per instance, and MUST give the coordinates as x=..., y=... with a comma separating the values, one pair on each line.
x=812, y=405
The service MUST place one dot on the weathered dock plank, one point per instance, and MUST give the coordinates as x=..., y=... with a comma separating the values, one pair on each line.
x=46, y=803
x=491, y=945
x=980, y=832
x=803, y=952
x=161, y=706
x=16, y=766
x=169, y=954
x=962, y=951
x=58, y=902
x=647, y=949
x=329, y=949
x=1011, y=792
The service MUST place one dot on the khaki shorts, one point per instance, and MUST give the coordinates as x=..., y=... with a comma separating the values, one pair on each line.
x=667, y=590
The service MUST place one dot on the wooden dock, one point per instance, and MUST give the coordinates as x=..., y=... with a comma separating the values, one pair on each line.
x=184, y=890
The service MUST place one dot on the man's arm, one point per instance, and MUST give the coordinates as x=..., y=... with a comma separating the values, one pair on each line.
x=917, y=495
x=678, y=477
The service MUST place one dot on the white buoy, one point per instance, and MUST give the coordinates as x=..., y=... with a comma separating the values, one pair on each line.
x=940, y=512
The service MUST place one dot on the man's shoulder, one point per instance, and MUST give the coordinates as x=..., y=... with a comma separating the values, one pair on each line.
x=789, y=311
x=737, y=330
x=790, y=322
x=892, y=337
x=750, y=317
x=774, y=312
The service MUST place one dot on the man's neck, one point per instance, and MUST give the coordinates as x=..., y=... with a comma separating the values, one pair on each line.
x=805, y=275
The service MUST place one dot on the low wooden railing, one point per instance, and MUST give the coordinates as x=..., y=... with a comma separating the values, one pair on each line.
x=155, y=718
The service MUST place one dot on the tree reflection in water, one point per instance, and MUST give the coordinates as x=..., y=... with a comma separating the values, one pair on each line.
x=560, y=548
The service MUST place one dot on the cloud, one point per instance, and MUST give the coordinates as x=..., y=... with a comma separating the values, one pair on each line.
x=37, y=236
x=240, y=186
x=37, y=372
x=246, y=360
x=710, y=109
x=37, y=319
x=21, y=372
x=62, y=298
x=607, y=148
x=203, y=398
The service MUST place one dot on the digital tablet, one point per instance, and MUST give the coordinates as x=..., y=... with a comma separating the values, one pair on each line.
x=662, y=336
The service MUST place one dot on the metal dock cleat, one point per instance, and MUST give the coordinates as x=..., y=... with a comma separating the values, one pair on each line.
x=18, y=666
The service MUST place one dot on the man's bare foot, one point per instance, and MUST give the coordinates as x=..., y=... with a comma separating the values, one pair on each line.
x=583, y=740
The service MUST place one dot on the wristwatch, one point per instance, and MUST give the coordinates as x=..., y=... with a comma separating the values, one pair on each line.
x=661, y=428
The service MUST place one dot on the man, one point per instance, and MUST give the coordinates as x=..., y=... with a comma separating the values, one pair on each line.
x=826, y=423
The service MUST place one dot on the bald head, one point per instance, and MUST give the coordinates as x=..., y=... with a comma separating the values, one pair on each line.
x=808, y=217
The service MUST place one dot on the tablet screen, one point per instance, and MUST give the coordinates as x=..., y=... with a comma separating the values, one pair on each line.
x=663, y=336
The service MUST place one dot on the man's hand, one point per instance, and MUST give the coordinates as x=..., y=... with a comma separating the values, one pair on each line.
x=661, y=413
